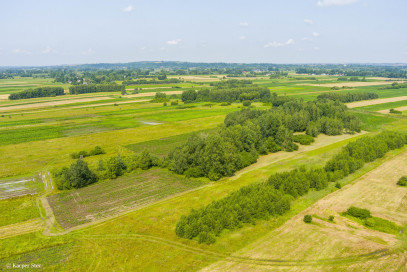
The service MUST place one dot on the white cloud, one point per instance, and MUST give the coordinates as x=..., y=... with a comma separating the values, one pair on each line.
x=279, y=44
x=88, y=52
x=48, y=50
x=128, y=8
x=315, y=34
x=327, y=3
x=244, y=24
x=21, y=51
x=316, y=48
x=242, y=38
x=174, y=42
x=306, y=39
x=308, y=21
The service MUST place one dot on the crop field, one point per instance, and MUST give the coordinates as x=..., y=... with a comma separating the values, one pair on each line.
x=376, y=102
x=129, y=222
x=112, y=197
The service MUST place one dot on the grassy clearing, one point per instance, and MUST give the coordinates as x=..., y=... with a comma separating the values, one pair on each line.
x=111, y=197
x=16, y=210
x=163, y=146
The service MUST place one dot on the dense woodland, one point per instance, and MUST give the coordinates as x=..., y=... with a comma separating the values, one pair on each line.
x=93, y=88
x=273, y=197
x=38, y=92
x=248, y=133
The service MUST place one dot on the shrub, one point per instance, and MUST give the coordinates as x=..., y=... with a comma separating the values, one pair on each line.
x=303, y=139
x=331, y=218
x=307, y=218
x=395, y=111
x=402, y=181
x=338, y=185
x=358, y=212
x=225, y=104
x=247, y=103
x=174, y=103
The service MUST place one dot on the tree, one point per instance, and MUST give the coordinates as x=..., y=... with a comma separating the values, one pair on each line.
x=79, y=175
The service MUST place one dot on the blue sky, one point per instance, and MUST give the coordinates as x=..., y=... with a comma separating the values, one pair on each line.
x=49, y=32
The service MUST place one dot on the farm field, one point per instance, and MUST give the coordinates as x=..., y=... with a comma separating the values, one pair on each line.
x=343, y=241
x=129, y=222
x=112, y=197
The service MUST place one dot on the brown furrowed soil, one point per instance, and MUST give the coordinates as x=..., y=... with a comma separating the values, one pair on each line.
x=108, y=198
x=375, y=101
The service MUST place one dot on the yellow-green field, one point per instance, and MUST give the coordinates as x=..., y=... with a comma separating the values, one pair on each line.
x=128, y=225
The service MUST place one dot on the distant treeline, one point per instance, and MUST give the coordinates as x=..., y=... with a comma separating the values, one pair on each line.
x=94, y=88
x=228, y=91
x=273, y=197
x=153, y=81
x=353, y=78
x=348, y=97
x=38, y=92
x=248, y=133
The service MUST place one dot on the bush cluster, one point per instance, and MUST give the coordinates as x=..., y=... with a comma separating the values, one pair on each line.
x=79, y=174
x=303, y=139
x=402, y=181
x=96, y=151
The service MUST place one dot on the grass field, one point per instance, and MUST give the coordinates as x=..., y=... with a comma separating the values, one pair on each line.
x=128, y=223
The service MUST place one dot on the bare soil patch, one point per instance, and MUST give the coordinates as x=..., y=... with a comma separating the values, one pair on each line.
x=375, y=101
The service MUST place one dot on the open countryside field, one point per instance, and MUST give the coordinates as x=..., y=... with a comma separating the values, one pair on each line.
x=128, y=223
x=321, y=244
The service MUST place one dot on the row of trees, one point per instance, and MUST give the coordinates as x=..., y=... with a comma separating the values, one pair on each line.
x=94, y=88
x=153, y=81
x=348, y=97
x=271, y=198
x=93, y=152
x=38, y=92
x=248, y=133
x=252, y=93
x=79, y=174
